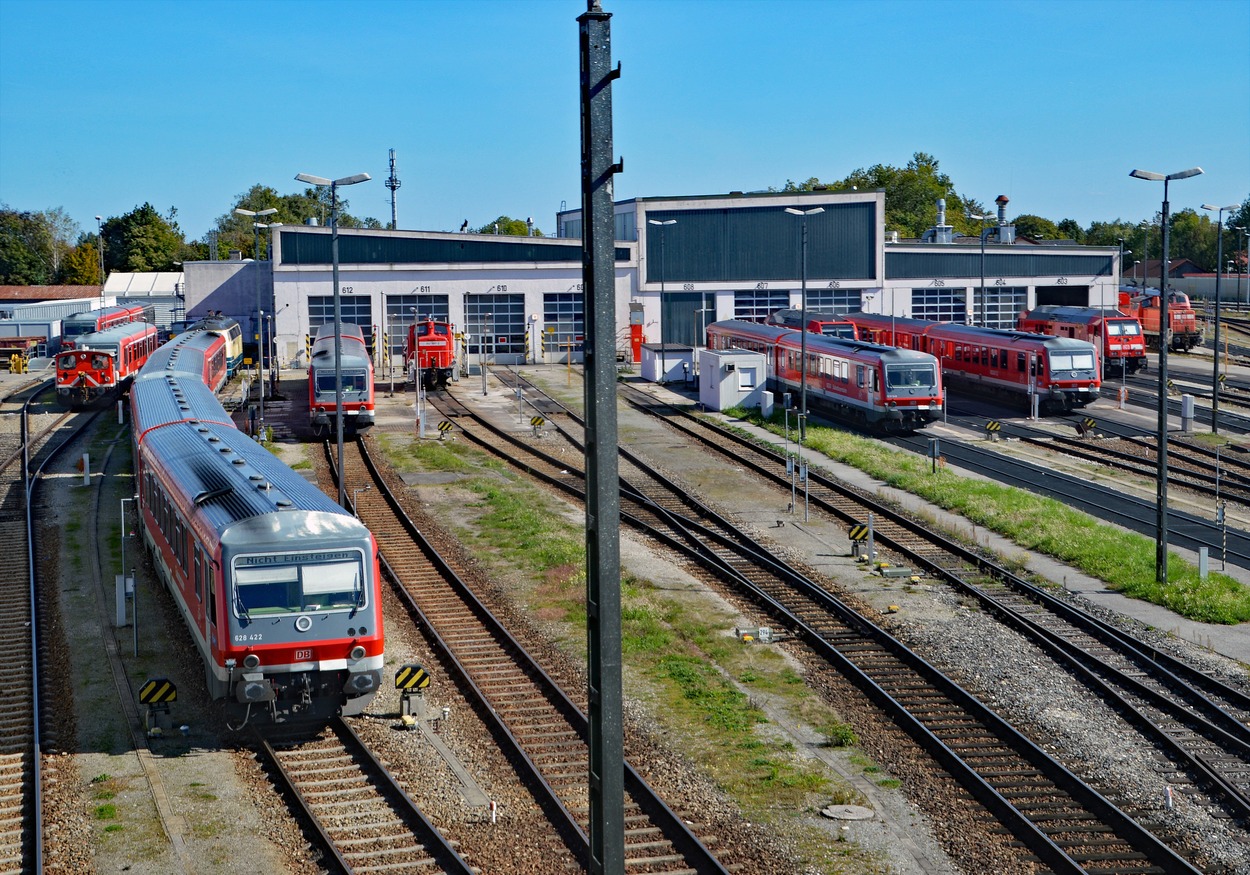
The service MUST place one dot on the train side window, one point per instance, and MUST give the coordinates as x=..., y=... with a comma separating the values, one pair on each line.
x=959, y=353
x=199, y=581
x=1020, y=362
x=859, y=376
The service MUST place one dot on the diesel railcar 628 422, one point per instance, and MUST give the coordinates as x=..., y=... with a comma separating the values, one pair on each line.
x=1061, y=372
x=356, y=368
x=278, y=585
x=872, y=386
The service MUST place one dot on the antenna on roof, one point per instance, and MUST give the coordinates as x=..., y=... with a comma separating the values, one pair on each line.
x=392, y=182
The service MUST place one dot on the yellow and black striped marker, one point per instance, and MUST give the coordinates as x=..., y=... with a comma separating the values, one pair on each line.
x=859, y=533
x=537, y=421
x=993, y=426
x=157, y=691
x=411, y=677
x=444, y=426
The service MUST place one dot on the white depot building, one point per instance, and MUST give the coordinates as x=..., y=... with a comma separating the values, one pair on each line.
x=681, y=262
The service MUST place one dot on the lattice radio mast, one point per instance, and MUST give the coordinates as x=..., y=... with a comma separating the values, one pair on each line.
x=392, y=182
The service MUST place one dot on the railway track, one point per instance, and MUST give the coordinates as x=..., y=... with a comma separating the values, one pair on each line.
x=364, y=820
x=829, y=625
x=541, y=728
x=21, y=452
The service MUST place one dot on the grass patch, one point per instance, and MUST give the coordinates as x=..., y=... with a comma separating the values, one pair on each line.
x=107, y=811
x=1124, y=560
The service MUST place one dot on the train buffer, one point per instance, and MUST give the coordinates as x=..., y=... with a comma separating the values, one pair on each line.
x=157, y=693
x=411, y=680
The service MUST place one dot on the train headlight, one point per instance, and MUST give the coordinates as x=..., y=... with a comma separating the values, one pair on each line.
x=251, y=661
x=358, y=652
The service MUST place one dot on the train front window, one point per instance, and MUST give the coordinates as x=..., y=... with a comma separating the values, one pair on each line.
x=910, y=376
x=1071, y=361
x=266, y=590
x=353, y=381
x=66, y=362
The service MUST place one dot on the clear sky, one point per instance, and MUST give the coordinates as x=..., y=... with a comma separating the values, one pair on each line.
x=106, y=104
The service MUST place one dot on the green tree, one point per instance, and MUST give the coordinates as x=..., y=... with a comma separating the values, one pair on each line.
x=236, y=231
x=1070, y=229
x=142, y=240
x=82, y=265
x=1036, y=227
x=911, y=196
x=26, y=249
x=508, y=225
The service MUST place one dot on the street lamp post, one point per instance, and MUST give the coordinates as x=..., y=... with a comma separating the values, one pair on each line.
x=481, y=347
x=1161, y=510
x=338, y=307
x=260, y=312
x=1241, y=257
x=1135, y=263
x=1123, y=252
x=1145, y=251
x=355, y=493
x=803, y=214
x=663, y=349
x=99, y=223
x=1215, y=376
x=981, y=219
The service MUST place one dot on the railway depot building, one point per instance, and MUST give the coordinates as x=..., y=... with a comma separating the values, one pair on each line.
x=681, y=263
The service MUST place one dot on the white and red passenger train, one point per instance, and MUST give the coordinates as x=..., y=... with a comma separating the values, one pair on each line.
x=869, y=385
x=103, y=363
x=1062, y=372
x=1119, y=339
x=355, y=365
x=92, y=321
x=278, y=585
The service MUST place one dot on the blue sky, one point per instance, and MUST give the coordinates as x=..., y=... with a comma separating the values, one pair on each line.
x=105, y=105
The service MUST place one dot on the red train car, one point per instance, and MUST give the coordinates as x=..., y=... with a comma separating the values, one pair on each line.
x=1143, y=305
x=103, y=363
x=1061, y=371
x=94, y=321
x=356, y=367
x=431, y=352
x=868, y=385
x=817, y=322
x=1119, y=338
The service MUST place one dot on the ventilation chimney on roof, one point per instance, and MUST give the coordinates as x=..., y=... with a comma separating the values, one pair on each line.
x=1006, y=233
x=942, y=232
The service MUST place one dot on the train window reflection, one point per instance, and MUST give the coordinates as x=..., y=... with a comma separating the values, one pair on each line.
x=1077, y=361
x=904, y=376
x=286, y=589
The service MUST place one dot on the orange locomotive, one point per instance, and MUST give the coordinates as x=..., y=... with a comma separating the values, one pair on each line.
x=1143, y=305
x=431, y=351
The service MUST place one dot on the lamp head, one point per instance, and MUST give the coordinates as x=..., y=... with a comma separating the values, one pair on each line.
x=310, y=179
x=243, y=212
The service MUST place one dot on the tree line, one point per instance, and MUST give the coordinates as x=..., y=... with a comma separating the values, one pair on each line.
x=49, y=248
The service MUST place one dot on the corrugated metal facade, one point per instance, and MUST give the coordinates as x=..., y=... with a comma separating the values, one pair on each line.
x=749, y=244
x=948, y=263
x=314, y=248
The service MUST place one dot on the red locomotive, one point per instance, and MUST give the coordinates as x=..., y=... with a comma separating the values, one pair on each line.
x=1118, y=337
x=93, y=321
x=1143, y=305
x=817, y=322
x=1061, y=371
x=431, y=352
x=103, y=363
x=890, y=390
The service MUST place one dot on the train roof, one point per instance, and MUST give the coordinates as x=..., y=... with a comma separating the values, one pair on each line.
x=767, y=333
x=817, y=342
x=231, y=478
x=215, y=323
x=784, y=317
x=1067, y=313
x=170, y=386
x=91, y=315
x=112, y=336
x=350, y=331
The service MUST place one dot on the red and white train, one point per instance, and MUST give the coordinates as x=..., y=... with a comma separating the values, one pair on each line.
x=92, y=321
x=278, y=585
x=355, y=365
x=103, y=363
x=431, y=352
x=828, y=324
x=1118, y=338
x=869, y=385
x=1062, y=372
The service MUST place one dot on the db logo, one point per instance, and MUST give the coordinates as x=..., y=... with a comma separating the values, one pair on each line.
x=303, y=656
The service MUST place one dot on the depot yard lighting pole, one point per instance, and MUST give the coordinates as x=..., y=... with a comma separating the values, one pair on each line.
x=1161, y=510
x=1241, y=257
x=260, y=312
x=981, y=219
x=99, y=223
x=1123, y=252
x=663, y=349
x=338, y=307
x=1219, y=259
x=803, y=214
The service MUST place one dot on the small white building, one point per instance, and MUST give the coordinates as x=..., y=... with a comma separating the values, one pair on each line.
x=732, y=378
x=667, y=363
